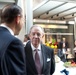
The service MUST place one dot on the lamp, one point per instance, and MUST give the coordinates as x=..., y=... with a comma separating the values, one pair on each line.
x=57, y=14
x=51, y=16
x=63, y=18
x=73, y=14
x=47, y=12
x=38, y=16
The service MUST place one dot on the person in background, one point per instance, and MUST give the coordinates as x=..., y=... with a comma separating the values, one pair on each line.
x=39, y=58
x=12, y=56
x=26, y=39
x=64, y=43
x=74, y=51
x=63, y=46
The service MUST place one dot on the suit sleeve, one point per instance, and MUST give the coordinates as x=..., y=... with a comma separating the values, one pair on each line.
x=14, y=59
x=52, y=62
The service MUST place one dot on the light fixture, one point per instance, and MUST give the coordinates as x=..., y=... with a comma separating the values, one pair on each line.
x=38, y=16
x=57, y=14
x=47, y=12
x=51, y=16
x=73, y=14
x=62, y=18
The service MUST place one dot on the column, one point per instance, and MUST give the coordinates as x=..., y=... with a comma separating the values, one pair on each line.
x=75, y=27
x=29, y=15
x=22, y=32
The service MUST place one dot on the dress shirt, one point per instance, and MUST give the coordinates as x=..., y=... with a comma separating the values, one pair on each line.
x=10, y=30
x=39, y=52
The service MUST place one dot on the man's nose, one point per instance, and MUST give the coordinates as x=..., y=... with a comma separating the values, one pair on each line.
x=36, y=36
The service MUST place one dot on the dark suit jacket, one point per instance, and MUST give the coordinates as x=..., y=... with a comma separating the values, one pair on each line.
x=60, y=45
x=12, y=61
x=60, y=50
x=61, y=55
x=48, y=66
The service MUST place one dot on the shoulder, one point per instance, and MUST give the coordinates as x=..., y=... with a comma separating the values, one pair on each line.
x=16, y=41
x=48, y=49
x=16, y=46
x=28, y=44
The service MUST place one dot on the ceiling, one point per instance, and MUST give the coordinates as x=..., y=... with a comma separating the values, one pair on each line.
x=55, y=10
x=5, y=2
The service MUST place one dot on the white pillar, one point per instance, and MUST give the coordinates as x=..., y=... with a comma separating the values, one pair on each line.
x=29, y=14
x=75, y=27
x=22, y=32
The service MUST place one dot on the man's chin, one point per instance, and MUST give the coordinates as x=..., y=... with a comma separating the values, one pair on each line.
x=36, y=44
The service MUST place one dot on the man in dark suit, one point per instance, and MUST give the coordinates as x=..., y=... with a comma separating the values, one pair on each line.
x=12, y=57
x=46, y=55
x=63, y=46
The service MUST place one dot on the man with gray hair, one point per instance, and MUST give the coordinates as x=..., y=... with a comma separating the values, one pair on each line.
x=39, y=58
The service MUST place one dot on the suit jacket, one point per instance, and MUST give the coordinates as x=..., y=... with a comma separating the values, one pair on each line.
x=48, y=60
x=12, y=57
x=60, y=50
x=62, y=55
x=66, y=45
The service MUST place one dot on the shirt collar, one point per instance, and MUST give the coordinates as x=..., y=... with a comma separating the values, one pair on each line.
x=33, y=48
x=10, y=30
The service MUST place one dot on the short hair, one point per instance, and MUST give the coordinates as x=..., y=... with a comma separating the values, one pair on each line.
x=26, y=35
x=10, y=12
x=36, y=26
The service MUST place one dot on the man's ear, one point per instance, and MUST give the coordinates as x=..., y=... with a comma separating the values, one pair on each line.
x=17, y=20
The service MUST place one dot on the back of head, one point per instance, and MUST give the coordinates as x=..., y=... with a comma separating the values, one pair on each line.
x=9, y=12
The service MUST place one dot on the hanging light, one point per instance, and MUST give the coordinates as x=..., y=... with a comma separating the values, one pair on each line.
x=47, y=12
x=38, y=16
x=62, y=18
x=51, y=16
x=57, y=14
x=73, y=14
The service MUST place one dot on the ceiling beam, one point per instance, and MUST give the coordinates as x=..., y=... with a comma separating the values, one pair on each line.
x=64, y=0
x=7, y=1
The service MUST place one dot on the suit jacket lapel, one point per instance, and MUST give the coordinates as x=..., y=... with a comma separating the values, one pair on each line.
x=44, y=56
x=30, y=57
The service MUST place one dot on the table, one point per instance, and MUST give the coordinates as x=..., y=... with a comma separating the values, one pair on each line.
x=59, y=67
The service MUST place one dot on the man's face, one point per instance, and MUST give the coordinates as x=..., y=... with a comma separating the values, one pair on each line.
x=36, y=36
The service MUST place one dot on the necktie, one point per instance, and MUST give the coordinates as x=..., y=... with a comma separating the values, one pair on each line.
x=37, y=62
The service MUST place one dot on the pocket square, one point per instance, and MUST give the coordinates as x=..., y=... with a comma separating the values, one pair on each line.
x=48, y=59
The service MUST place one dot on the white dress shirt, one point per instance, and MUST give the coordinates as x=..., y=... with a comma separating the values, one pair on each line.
x=10, y=30
x=39, y=52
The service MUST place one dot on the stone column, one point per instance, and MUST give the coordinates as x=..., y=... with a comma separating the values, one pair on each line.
x=21, y=3
x=29, y=15
x=75, y=27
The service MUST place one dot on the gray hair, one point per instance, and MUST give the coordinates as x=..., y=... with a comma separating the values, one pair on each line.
x=36, y=26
